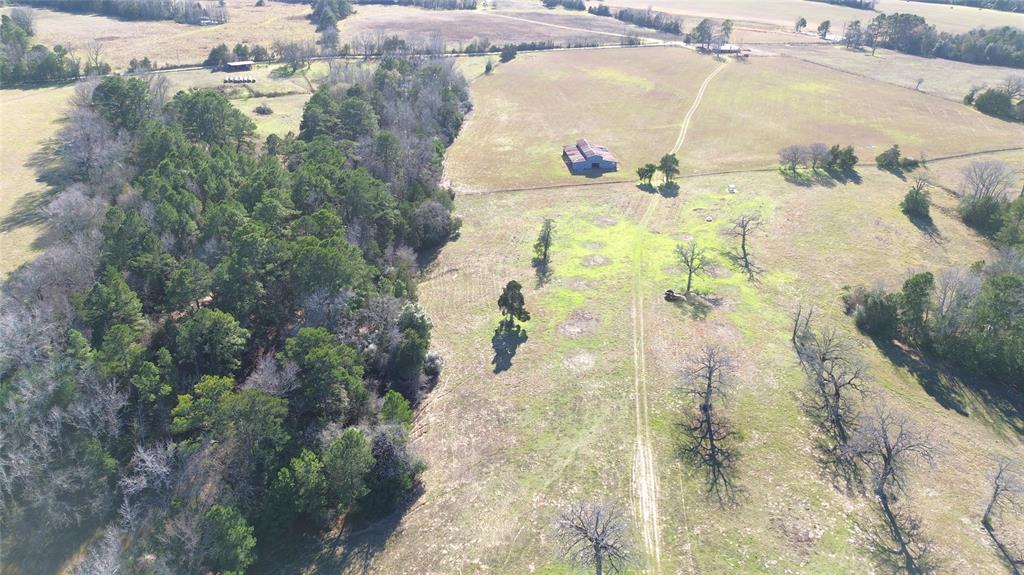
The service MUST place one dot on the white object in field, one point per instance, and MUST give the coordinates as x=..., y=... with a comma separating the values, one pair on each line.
x=732, y=188
x=708, y=219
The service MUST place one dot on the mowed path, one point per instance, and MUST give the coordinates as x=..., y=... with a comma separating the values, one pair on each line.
x=645, y=477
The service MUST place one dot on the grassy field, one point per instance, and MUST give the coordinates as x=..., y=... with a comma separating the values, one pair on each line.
x=459, y=28
x=168, y=42
x=944, y=78
x=511, y=441
x=786, y=12
x=28, y=120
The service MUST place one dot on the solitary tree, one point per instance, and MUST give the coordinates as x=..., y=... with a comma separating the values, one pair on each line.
x=801, y=23
x=512, y=303
x=1007, y=488
x=595, y=534
x=669, y=166
x=742, y=227
x=693, y=258
x=646, y=172
x=890, y=446
x=708, y=430
x=823, y=29
x=917, y=202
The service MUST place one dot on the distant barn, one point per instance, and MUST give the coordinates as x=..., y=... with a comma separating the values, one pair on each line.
x=240, y=66
x=586, y=156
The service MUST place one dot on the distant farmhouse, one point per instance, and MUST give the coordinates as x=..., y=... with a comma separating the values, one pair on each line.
x=585, y=156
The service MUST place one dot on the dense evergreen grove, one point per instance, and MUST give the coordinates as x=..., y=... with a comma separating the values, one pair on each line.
x=22, y=61
x=221, y=346
x=911, y=34
x=970, y=318
x=648, y=18
x=192, y=11
x=859, y=4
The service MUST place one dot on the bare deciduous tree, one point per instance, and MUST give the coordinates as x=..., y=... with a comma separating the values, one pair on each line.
x=833, y=376
x=1007, y=489
x=595, y=534
x=818, y=154
x=1014, y=86
x=25, y=18
x=742, y=228
x=708, y=431
x=988, y=180
x=889, y=446
x=792, y=156
x=693, y=259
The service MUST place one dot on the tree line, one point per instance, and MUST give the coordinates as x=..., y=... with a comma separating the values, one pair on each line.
x=647, y=18
x=224, y=346
x=911, y=34
x=427, y=4
x=1001, y=5
x=188, y=11
x=1005, y=101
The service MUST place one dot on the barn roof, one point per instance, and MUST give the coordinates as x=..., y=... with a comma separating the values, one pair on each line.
x=590, y=150
x=573, y=153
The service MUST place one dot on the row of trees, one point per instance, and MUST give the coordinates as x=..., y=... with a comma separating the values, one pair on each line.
x=708, y=34
x=835, y=159
x=1002, y=5
x=226, y=347
x=221, y=54
x=567, y=4
x=648, y=18
x=668, y=166
x=22, y=61
x=911, y=34
x=428, y=4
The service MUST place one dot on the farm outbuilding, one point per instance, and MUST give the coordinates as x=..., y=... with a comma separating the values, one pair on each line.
x=586, y=156
x=239, y=66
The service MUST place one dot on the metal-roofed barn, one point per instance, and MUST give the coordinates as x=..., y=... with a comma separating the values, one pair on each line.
x=584, y=156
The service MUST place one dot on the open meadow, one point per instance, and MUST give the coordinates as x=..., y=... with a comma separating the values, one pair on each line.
x=171, y=43
x=585, y=402
x=784, y=13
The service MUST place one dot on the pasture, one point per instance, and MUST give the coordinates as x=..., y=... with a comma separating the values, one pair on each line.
x=518, y=428
x=28, y=120
x=169, y=43
x=784, y=13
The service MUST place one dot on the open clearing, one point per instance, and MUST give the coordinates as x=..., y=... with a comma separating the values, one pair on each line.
x=785, y=13
x=168, y=42
x=509, y=448
x=28, y=119
x=944, y=78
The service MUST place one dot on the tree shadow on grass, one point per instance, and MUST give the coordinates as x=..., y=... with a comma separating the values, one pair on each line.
x=697, y=306
x=896, y=542
x=952, y=388
x=808, y=178
x=542, y=269
x=927, y=226
x=27, y=209
x=506, y=341
x=669, y=189
x=352, y=547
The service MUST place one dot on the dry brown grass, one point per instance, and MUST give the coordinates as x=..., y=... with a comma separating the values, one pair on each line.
x=168, y=42
x=784, y=13
x=507, y=451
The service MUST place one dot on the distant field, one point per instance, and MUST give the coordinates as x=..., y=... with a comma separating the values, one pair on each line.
x=28, y=119
x=459, y=28
x=508, y=450
x=786, y=12
x=945, y=78
x=168, y=42
x=631, y=100
x=749, y=112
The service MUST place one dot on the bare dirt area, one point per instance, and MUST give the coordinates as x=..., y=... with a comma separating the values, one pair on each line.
x=167, y=42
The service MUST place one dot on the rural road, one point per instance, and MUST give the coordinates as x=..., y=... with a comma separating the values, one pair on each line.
x=645, y=477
